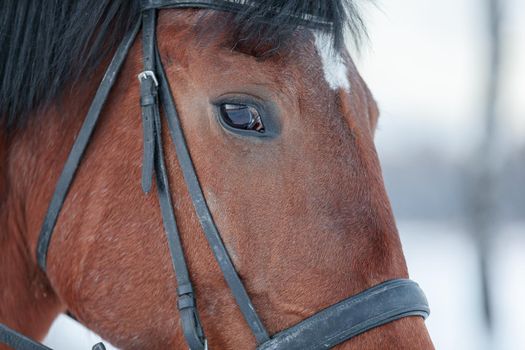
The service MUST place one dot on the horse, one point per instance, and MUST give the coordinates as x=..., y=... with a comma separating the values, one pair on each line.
x=279, y=127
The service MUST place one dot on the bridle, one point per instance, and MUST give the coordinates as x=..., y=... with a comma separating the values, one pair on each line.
x=371, y=308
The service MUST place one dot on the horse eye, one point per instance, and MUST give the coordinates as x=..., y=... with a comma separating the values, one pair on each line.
x=242, y=117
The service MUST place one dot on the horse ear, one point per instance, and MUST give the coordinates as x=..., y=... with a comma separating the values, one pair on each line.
x=373, y=109
x=361, y=91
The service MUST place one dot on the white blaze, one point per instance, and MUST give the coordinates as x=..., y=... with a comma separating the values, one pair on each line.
x=334, y=66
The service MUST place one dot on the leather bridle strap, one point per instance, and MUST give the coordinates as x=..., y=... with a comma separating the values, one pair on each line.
x=231, y=6
x=80, y=145
x=18, y=341
x=384, y=303
x=154, y=155
x=153, y=160
x=203, y=213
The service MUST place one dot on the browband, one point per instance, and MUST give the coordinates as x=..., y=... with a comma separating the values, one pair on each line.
x=230, y=6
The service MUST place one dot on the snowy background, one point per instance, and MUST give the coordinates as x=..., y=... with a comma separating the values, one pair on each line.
x=426, y=63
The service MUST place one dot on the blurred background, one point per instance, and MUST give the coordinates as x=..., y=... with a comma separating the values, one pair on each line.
x=448, y=76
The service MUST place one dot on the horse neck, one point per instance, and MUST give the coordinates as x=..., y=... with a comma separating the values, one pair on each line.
x=27, y=302
x=30, y=161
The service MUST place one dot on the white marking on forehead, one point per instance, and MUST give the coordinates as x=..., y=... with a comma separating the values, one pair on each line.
x=334, y=66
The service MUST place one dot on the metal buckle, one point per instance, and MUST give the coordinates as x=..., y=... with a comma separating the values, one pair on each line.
x=148, y=74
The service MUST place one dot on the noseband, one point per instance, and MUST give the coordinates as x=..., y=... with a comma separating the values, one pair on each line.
x=381, y=304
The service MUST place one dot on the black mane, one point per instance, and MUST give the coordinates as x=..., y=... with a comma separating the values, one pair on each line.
x=45, y=45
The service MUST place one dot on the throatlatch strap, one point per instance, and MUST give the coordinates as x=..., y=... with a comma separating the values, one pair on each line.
x=203, y=212
x=186, y=304
x=80, y=145
x=18, y=341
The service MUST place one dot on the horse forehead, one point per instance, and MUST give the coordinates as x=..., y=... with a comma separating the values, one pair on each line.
x=185, y=47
